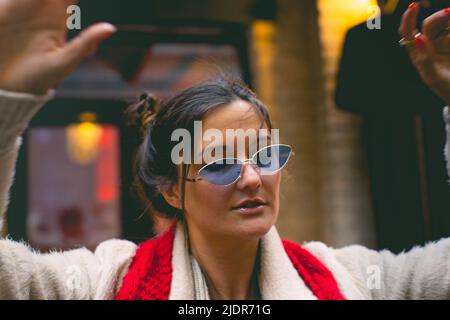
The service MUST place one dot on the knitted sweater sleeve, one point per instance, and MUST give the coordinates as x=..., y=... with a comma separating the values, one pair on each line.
x=447, y=145
x=27, y=274
x=420, y=273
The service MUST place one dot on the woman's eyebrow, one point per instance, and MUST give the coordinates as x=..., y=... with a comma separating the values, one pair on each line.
x=210, y=148
x=225, y=147
x=262, y=138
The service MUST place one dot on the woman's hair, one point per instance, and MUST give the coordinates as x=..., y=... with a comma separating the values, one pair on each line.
x=154, y=171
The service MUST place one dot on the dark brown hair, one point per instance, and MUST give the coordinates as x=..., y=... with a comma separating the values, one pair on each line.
x=154, y=170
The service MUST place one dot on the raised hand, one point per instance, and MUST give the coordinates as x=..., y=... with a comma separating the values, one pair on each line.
x=34, y=55
x=429, y=50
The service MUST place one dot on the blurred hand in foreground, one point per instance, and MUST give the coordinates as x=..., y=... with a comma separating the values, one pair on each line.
x=429, y=50
x=34, y=55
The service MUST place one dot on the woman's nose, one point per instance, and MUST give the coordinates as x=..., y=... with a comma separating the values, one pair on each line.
x=250, y=176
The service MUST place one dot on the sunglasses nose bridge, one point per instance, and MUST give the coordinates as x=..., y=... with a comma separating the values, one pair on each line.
x=252, y=163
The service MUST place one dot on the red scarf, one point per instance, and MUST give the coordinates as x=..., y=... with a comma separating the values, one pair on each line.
x=150, y=273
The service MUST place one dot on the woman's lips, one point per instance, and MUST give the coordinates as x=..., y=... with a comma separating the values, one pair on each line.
x=250, y=210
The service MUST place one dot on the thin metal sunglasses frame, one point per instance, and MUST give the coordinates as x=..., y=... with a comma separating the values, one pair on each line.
x=242, y=162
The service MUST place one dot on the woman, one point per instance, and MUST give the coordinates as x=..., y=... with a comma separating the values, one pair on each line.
x=223, y=244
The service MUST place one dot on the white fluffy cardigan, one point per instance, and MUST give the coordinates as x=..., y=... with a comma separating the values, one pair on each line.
x=361, y=273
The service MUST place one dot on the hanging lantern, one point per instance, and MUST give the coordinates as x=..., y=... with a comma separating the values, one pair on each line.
x=83, y=139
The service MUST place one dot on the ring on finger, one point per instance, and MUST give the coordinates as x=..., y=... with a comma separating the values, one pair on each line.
x=404, y=42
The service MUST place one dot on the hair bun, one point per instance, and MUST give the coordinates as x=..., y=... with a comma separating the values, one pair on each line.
x=142, y=112
x=147, y=102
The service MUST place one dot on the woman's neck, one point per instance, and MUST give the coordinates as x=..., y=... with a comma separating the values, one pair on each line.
x=230, y=266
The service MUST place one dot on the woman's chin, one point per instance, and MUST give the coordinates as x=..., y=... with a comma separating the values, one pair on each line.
x=254, y=229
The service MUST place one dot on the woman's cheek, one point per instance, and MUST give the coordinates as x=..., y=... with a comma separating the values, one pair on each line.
x=272, y=184
x=211, y=197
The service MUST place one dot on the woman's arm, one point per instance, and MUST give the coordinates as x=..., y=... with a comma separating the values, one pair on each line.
x=429, y=49
x=33, y=59
x=447, y=145
x=362, y=273
x=75, y=274
x=423, y=272
x=34, y=54
x=26, y=274
x=16, y=109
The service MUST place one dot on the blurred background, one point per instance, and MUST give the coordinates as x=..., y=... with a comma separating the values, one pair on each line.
x=368, y=135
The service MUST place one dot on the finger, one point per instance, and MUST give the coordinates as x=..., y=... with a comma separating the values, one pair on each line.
x=435, y=25
x=85, y=44
x=421, y=57
x=70, y=2
x=442, y=45
x=408, y=25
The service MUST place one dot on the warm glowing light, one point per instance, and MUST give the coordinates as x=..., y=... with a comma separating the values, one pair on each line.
x=364, y=2
x=345, y=13
x=390, y=6
x=83, y=139
x=263, y=28
x=263, y=47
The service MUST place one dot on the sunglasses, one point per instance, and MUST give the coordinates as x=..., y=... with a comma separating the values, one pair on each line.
x=224, y=172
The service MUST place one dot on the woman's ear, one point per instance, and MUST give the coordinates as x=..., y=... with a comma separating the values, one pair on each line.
x=172, y=196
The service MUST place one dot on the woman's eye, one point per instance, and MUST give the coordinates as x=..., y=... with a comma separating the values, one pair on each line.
x=213, y=167
x=264, y=157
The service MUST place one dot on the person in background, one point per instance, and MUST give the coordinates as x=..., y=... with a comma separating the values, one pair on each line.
x=401, y=127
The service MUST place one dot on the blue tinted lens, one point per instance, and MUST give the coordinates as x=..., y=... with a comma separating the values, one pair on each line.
x=221, y=172
x=272, y=158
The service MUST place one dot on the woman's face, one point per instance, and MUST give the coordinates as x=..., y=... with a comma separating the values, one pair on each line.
x=211, y=208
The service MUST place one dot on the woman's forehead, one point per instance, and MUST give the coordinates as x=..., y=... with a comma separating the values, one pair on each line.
x=234, y=129
x=238, y=123
x=238, y=114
